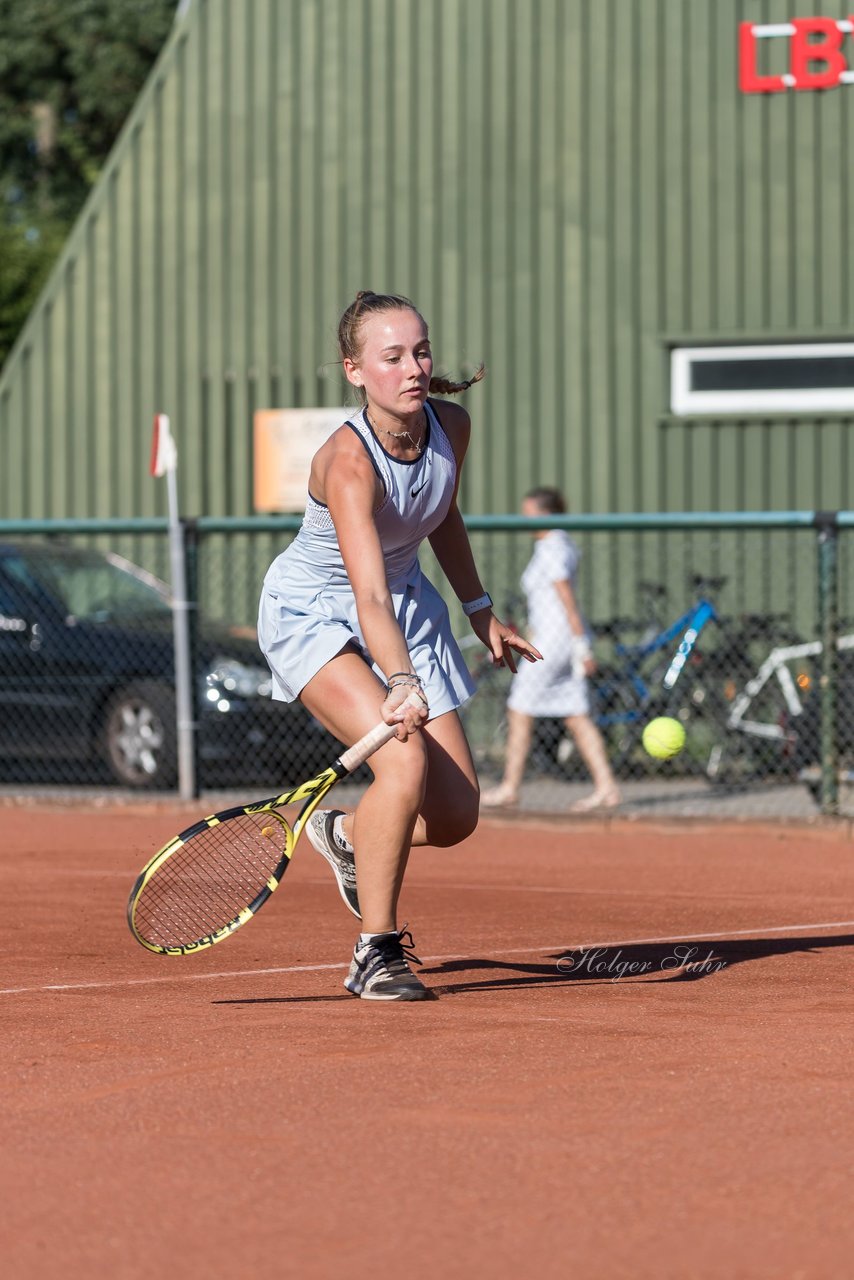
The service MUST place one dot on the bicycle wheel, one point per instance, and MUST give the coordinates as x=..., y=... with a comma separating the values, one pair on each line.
x=696, y=703
x=619, y=713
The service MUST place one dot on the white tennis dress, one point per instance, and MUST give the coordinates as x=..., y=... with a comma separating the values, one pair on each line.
x=308, y=612
x=556, y=686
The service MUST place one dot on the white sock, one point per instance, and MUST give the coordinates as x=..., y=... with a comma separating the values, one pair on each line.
x=365, y=938
x=339, y=836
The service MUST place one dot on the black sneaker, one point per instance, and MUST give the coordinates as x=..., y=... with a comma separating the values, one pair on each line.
x=380, y=969
x=320, y=833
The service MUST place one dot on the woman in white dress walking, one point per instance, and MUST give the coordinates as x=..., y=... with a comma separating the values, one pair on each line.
x=556, y=687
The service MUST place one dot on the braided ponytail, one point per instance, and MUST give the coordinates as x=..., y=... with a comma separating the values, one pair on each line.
x=445, y=387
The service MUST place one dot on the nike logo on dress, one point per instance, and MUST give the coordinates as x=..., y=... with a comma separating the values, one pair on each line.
x=413, y=493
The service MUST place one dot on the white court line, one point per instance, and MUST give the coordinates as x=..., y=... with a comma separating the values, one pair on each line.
x=561, y=948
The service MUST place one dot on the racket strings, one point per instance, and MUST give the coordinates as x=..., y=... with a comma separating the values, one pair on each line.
x=210, y=879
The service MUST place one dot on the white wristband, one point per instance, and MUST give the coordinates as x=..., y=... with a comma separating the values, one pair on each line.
x=581, y=648
x=472, y=606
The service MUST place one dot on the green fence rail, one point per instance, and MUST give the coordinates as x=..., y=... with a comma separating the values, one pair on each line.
x=731, y=520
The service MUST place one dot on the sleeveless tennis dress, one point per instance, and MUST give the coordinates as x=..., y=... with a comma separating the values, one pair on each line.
x=308, y=612
x=556, y=686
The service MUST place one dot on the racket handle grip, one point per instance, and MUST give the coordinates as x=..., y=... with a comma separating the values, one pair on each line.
x=372, y=741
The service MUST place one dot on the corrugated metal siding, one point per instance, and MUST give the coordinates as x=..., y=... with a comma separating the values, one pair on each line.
x=564, y=186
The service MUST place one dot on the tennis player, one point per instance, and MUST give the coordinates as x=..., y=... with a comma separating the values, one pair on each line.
x=350, y=625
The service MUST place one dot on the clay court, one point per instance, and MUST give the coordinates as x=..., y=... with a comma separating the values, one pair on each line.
x=638, y=1063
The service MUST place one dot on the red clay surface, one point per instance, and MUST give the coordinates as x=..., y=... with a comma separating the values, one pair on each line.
x=236, y=1113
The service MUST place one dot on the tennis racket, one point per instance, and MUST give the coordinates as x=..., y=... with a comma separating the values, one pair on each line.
x=217, y=874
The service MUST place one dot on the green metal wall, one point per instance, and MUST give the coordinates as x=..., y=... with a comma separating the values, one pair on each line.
x=564, y=186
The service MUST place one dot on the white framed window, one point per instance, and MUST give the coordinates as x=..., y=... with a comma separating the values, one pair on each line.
x=781, y=378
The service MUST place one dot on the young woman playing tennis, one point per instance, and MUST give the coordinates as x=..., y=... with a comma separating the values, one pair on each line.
x=350, y=625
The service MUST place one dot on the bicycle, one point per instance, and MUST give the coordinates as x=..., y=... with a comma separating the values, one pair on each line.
x=658, y=675
x=775, y=715
x=654, y=676
x=703, y=699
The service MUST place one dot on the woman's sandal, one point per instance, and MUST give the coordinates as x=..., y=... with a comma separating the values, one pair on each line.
x=609, y=799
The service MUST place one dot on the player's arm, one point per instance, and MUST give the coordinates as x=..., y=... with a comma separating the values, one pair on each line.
x=452, y=548
x=350, y=490
x=450, y=541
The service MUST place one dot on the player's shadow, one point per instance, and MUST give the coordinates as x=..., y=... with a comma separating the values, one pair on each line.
x=344, y=998
x=682, y=960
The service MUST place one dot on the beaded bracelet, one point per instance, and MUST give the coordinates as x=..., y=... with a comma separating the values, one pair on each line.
x=413, y=683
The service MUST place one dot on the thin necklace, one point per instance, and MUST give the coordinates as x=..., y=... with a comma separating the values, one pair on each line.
x=418, y=445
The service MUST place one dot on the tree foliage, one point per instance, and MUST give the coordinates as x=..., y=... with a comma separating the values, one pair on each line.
x=70, y=70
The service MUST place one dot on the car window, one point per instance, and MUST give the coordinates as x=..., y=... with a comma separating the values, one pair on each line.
x=90, y=588
x=11, y=610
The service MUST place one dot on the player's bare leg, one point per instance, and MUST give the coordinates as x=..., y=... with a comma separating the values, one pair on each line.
x=346, y=696
x=449, y=811
x=451, y=800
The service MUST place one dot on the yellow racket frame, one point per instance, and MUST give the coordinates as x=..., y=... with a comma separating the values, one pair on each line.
x=312, y=792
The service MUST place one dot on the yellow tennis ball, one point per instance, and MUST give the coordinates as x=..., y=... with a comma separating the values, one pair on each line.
x=663, y=737
x=268, y=832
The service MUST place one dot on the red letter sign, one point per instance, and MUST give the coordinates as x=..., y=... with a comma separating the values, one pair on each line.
x=825, y=51
x=748, y=78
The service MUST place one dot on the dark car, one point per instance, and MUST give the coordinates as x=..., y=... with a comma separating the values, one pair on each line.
x=87, y=680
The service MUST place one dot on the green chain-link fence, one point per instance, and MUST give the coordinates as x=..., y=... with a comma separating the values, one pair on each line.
x=739, y=625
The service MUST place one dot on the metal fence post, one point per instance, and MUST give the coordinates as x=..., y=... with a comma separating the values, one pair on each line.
x=183, y=665
x=828, y=612
x=191, y=561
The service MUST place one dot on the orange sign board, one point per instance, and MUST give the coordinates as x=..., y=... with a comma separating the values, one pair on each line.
x=285, y=441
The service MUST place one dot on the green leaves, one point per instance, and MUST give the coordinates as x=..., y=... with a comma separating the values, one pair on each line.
x=70, y=71
x=27, y=253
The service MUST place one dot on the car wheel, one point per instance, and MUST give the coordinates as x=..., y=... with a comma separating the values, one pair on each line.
x=139, y=737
